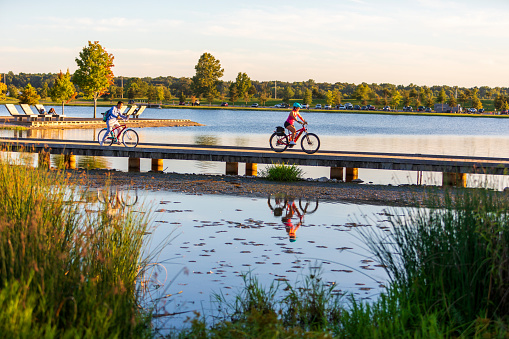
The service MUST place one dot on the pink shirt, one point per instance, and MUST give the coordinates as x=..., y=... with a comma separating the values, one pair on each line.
x=292, y=117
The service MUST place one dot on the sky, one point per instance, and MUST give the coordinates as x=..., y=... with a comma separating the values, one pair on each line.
x=424, y=42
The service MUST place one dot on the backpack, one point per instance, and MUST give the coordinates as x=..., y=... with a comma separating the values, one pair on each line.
x=280, y=130
x=106, y=115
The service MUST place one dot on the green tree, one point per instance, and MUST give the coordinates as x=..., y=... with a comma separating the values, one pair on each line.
x=505, y=106
x=167, y=94
x=234, y=93
x=329, y=97
x=362, y=93
x=45, y=91
x=13, y=91
x=442, y=97
x=29, y=96
x=151, y=93
x=63, y=89
x=476, y=103
x=288, y=93
x=308, y=96
x=182, y=98
x=3, y=89
x=94, y=74
x=463, y=96
x=264, y=96
x=396, y=99
x=160, y=94
x=452, y=102
x=243, y=83
x=336, y=95
x=132, y=91
x=208, y=72
x=406, y=98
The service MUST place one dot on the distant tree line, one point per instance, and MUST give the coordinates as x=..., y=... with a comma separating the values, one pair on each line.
x=206, y=84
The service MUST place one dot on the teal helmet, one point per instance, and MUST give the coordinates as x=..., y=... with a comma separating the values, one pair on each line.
x=296, y=104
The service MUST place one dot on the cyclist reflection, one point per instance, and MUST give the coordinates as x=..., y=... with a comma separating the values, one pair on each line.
x=291, y=215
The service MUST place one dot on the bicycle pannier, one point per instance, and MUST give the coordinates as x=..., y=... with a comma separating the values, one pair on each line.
x=280, y=130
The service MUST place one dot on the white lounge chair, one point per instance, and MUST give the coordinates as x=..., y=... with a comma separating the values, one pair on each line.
x=138, y=112
x=131, y=110
x=45, y=115
x=28, y=111
x=18, y=116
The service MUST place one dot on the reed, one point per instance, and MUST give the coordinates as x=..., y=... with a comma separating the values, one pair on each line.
x=66, y=270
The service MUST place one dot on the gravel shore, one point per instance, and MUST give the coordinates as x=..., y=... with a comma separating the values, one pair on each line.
x=258, y=187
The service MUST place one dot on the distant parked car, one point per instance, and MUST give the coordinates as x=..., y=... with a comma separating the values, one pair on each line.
x=254, y=105
x=340, y=106
x=371, y=108
x=471, y=110
x=283, y=105
x=225, y=104
x=182, y=103
x=481, y=110
x=364, y=108
x=504, y=111
x=408, y=109
x=421, y=109
x=427, y=110
x=357, y=107
x=318, y=106
x=305, y=106
x=348, y=105
x=386, y=108
x=277, y=106
x=327, y=107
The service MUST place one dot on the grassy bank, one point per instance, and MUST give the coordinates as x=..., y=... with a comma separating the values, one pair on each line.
x=69, y=264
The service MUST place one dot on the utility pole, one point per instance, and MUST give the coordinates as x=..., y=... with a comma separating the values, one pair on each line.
x=275, y=89
x=122, y=81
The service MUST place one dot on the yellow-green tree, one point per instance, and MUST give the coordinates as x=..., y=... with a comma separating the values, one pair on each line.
x=63, y=89
x=395, y=99
x=29, y=96
x=94, y=75
x=208, y=72
x=3, y=89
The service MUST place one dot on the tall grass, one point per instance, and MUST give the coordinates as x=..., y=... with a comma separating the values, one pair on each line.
x=282, y=172
x=66, y=271
x=452, y=261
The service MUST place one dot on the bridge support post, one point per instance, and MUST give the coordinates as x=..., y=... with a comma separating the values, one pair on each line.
x=70, y=161
x=157, y=165
x=336, y=173
x=251, y=169
x=134, y=165
x=232, y=168
x=44, y=160
x=454, y=179
x=352, y=174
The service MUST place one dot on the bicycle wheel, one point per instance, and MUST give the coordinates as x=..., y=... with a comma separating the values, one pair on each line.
x=130, y=138
x=108, y=141
x=308, y=206
x=278, y=143
x=310, y=143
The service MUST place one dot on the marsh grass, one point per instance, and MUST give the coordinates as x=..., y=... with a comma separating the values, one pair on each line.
x=66, y=271
x=452, y=261
x=282, y=172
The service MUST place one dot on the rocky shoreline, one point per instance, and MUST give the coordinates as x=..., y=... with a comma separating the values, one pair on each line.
x=405, y=195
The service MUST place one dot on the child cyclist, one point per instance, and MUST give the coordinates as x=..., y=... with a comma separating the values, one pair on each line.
x=111, y=121
x=294, y=116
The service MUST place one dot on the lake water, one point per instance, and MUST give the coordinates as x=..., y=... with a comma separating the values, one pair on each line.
x=467, y=136
x=216, y=239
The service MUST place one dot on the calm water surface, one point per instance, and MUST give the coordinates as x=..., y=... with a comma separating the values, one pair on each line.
x=347, y=132
x=216, y=239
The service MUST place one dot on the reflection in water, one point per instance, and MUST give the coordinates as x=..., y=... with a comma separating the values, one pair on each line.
x=92, y=162
x=206, y=140
x=116, y=200
x=285, y=206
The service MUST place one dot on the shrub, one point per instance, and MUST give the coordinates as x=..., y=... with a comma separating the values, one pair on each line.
x=282, y=172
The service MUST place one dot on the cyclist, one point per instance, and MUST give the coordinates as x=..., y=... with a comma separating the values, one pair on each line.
x=294, y=116
x=111, y=121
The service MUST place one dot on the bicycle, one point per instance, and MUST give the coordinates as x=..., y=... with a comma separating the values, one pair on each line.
x=128, y=136
x=279, y=141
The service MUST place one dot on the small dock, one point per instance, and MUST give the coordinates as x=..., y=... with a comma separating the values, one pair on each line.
x=73, y=123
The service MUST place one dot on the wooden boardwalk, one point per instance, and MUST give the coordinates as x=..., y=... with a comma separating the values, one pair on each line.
x=253, y=155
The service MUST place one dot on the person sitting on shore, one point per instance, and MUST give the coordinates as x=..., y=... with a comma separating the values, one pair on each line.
x=111, y=120
x=294, y=116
